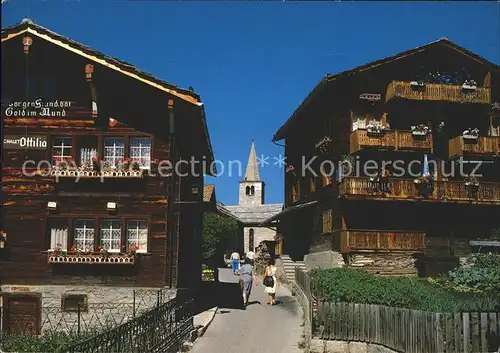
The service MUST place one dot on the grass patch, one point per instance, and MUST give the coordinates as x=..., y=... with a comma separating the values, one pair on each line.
x=358, y=286
x=49, y=342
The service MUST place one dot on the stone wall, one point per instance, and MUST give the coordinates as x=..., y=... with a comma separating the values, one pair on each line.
x=325, y=346
x=251, y=200
x=260, y=234
x=323, y=260
x=106, y=307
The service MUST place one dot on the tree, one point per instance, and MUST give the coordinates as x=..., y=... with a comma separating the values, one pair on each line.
x=218, y=230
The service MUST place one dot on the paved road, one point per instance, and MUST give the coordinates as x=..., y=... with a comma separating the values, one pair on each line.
x=258, y=329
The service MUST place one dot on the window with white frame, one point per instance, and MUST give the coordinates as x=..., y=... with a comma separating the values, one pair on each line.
x=137, y=235
x=111, y=235
x=61, y=149
x=84, y=234
x=140, y=151
x=114, y=150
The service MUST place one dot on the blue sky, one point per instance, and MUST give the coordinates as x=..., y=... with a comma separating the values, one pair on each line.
x=254, y=62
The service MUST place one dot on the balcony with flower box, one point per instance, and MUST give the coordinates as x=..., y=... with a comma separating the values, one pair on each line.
x=390, y=140
x=466, y=93
x=470, y=143
x=424, y=188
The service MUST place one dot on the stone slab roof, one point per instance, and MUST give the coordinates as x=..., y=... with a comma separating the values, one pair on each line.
x=255, y=214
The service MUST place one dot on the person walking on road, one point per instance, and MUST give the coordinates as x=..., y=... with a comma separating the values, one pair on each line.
x=271, y=281
x=250, y=255
x=235, y=262
x=247, y=276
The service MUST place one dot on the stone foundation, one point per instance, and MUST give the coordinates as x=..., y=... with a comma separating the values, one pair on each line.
x=325, y=346
x=324, y=260
x=105, y=307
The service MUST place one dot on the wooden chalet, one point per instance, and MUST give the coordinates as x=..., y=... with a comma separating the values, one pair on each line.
x=436, y=106
x=113, y=216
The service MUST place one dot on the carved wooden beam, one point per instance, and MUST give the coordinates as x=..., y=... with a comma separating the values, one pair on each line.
x=89, y=69
x=27, y=41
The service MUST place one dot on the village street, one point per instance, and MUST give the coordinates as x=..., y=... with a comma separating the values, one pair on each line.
x=258, y=329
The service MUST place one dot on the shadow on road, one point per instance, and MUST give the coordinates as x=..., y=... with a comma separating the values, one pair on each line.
x=223, y=294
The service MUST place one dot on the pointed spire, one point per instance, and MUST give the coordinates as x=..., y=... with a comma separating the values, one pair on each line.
x=252, y=172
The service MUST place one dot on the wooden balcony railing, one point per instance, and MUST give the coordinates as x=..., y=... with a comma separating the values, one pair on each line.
x=437, y=92
x=354, y=240
x=403, y=189
x=390, y=139
x=458, y=146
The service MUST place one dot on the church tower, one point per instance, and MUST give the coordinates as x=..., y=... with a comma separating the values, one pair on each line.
x=252, y=188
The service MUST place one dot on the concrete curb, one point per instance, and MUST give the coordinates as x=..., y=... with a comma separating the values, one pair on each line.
x=208, y=317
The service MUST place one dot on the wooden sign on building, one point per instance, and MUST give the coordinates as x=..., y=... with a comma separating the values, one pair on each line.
x=26, y=142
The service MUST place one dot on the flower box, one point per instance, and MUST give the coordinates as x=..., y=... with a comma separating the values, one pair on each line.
x=55, y=257
x=417, y=86
x=419, y=130
x=375, y=130
x=469, y=86
x=96, y=174
x=471, y=134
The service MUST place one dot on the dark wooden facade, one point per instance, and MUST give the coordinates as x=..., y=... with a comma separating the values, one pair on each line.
x=103, y=99
x=358, y=215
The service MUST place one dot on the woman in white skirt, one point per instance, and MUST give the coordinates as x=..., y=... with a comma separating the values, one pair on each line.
x=271, y=285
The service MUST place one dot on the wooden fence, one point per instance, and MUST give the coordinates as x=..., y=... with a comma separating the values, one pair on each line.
x=404, y=330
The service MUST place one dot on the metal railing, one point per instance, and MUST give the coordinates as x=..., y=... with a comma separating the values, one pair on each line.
x=93, y=318
x=154, y=331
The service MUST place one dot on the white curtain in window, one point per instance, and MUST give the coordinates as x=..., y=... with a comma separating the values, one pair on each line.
x=495, y=131
x=140, y=150
x=86, y=155
x=358, y=123
x=59, y=238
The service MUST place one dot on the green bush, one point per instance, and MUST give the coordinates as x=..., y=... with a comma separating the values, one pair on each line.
x=482, y=274
x=217, y=231
x=358, y=286
x=49, y=342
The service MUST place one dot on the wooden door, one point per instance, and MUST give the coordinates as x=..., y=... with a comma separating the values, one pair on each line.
x=22, y=313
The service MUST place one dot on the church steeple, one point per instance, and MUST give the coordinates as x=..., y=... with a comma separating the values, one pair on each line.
x=252, y=171
x=251, y=187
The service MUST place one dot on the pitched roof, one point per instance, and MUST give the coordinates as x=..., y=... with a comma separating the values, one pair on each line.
x=125, y=68
x=28, y=26
x=255, y=214
x=329, y=78
x=208, y=192
x=222, y=209
x=252, y=171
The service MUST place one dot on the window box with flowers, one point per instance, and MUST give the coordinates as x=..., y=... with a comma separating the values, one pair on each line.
x=375, y=130
x=469, y=86
x=417, y=86
x=98, y=169
x=102, y=256
x=471, y=134
x=419, y=130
